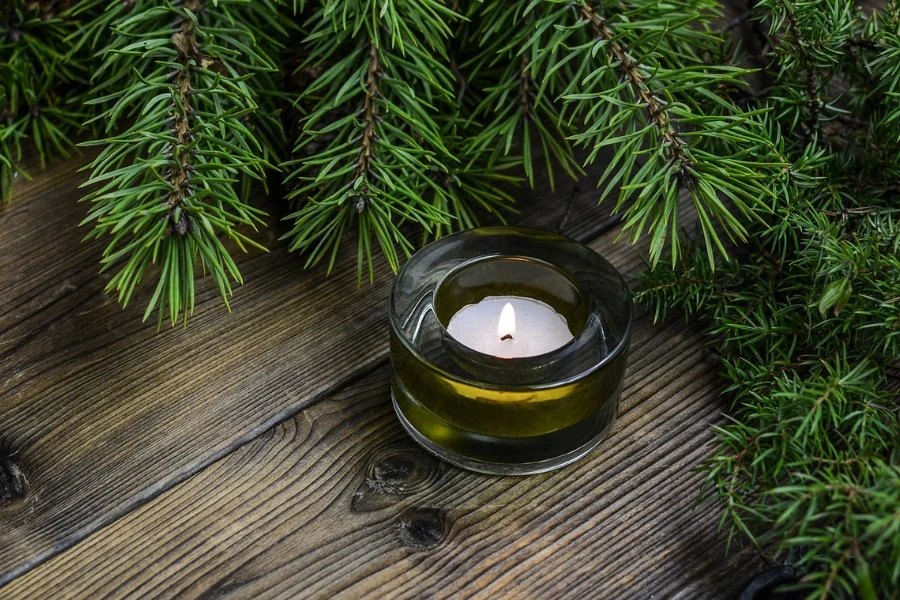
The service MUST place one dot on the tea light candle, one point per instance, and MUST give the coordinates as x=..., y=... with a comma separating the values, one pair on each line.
x=509, y=347
x=510, y=327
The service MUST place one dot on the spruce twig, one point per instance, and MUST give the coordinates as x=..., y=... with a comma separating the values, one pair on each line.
x=368, y=133
x=40, y=80
x=514, y=109
x=662, y=114
x=657, y=113
x=806, y=324
x=387, y=135
x=812, y=87
x=187, y=79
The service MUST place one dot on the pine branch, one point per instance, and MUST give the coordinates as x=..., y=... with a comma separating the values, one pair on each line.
x=806, y=324
x=813, y=44
x=639, y=84
x=808, y=321
x=378, y=122
x=509, y=103
x=812, y=87
x=38, y=66
x=182, y=78
x=656, y=111
x=369, y=118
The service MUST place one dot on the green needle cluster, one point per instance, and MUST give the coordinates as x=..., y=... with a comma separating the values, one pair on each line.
x=807, y=314
x=43, y=77
x=382, y=141
x=179, y=89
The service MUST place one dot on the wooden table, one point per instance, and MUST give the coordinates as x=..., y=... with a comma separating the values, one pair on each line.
x=256, y=454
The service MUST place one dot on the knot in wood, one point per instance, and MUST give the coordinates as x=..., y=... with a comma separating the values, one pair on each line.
x=395, y=472
x=402, y=470
x=421, y=528
x=12, y=480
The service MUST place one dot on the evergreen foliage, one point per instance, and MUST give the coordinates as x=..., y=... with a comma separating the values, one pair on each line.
x=382, y=141
x=807, y=318
x=42, y=74
x=180, y=87
x=390, y=120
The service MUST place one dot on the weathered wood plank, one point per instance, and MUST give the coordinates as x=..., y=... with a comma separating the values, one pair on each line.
x=337, y=502
x=101, y=413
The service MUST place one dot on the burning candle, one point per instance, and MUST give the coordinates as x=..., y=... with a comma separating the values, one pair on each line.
x=510, y=327
x=509, y=349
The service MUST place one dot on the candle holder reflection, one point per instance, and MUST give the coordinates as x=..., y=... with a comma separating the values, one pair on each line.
x=508, y=415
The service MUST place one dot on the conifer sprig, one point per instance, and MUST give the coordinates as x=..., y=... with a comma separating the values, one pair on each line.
x=39, y=83
x=808, y=47
x=180, y=81
x=379, y=121
x=808, y=321
x=507, y=98
x=634, y=78
x=810, y=461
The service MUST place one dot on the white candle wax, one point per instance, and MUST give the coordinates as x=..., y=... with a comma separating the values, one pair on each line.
x=510, y=327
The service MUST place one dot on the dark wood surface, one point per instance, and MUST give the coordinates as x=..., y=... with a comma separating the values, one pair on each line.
x=255, y=453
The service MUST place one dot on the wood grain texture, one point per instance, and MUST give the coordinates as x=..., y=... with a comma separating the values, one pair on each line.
x=338, y=502
x=100, y=412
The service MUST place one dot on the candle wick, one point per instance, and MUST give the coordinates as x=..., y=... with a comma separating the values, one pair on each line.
x=508, y=336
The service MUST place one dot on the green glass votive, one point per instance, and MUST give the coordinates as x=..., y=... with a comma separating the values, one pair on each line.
x=509, y=347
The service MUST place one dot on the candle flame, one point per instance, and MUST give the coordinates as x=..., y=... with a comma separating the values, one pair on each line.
x=507, y=325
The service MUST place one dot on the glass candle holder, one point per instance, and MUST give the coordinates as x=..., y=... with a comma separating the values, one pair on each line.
x=471, y=406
